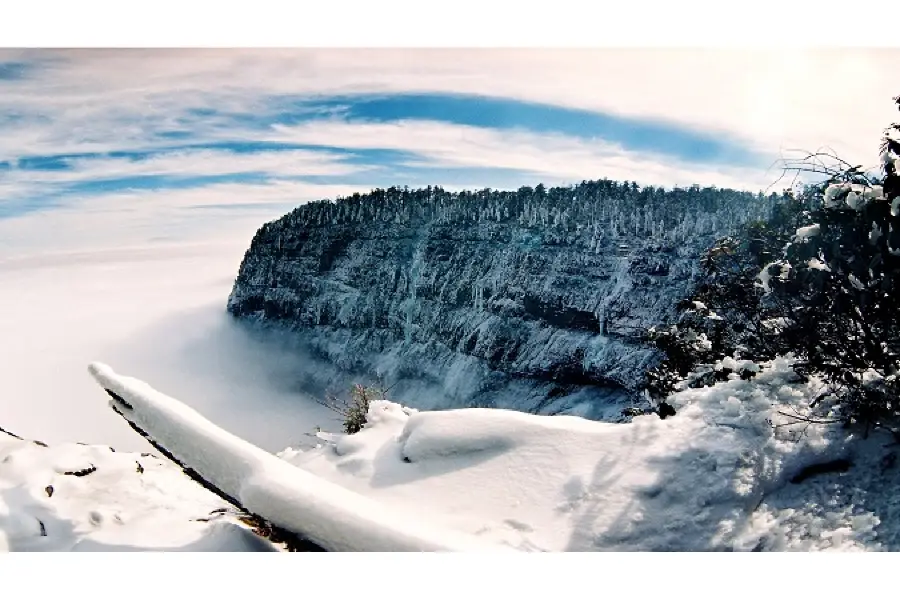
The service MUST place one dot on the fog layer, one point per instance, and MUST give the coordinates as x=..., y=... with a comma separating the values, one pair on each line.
x=156, y=313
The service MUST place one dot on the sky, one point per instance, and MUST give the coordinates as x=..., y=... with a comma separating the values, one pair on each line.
x=117, y=147
x=131, y=183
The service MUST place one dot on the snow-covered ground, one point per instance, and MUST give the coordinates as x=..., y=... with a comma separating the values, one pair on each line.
x=73, y=497
x=714, y=477
x=717, y=476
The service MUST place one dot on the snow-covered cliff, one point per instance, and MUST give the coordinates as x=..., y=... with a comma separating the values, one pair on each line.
x=542, y=292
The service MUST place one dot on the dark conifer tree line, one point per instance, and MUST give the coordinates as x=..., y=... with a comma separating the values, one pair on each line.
x=591, y=210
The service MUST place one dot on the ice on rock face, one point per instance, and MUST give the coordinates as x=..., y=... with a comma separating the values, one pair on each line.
x=471, y=296
x=815, y=263
x=875, y=234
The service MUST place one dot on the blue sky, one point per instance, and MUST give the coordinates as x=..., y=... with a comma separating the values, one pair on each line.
x=163, y=132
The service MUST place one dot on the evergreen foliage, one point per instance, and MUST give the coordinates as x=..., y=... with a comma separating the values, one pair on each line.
x=591, y=210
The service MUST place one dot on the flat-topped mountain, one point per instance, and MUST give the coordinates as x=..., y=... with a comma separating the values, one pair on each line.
x=543, y=291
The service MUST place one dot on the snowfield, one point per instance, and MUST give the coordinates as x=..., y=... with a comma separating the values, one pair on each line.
x=731, y=471
x=73, y=497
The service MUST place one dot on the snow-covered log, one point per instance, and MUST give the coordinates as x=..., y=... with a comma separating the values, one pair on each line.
x=264, y=485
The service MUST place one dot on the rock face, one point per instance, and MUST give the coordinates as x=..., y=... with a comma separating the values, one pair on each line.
x=542, y=293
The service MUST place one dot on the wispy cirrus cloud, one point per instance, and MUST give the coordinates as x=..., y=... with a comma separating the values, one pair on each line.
x=12, y=71
x=140, y=130
x=543, y=156
x=135, y=218
x=653, y=136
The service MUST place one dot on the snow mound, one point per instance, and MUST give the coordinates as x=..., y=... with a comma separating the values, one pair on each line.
x=327, y=514
x=74, y=497
x=717, y=476
x=460, y=433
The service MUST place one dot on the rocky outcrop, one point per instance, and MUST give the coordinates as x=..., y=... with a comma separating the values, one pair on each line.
x=543, y=293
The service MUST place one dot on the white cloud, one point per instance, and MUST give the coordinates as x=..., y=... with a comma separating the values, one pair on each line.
x=212, y=162
x=183, y=163
x=771, y=98
x=551, y=156
x=100, y=101
x=128, y=219
x=125, y=218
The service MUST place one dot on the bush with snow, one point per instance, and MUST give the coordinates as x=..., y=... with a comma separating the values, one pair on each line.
x=729, y=314
x=819, y=279
x=840, y=293
x=354, y=410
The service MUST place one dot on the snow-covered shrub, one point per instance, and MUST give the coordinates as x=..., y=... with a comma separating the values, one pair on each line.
x=825, y=290
x=355, y=408
x=728, y=315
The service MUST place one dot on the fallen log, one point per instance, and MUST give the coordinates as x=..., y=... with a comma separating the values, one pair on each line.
x=290, y=541
x=283, y=500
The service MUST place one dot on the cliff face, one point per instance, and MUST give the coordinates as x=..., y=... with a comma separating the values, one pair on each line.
x=542, y=293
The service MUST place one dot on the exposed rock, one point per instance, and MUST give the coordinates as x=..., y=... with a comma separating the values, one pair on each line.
x=81, y=472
